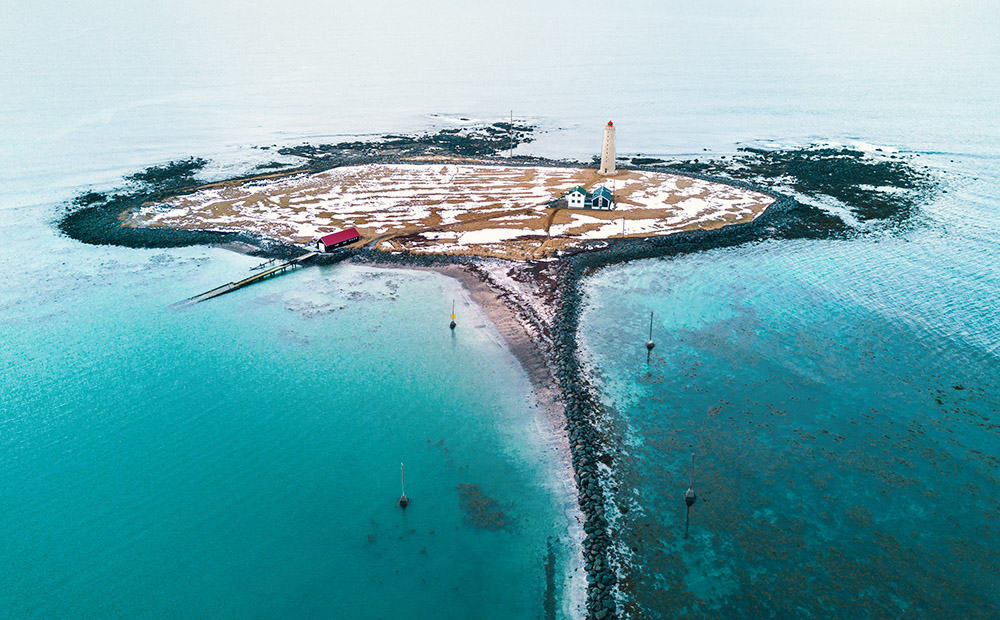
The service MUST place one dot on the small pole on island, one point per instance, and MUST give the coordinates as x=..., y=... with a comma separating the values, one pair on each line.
x=510, y=136
x=649, y=343
x=452, y=325
x=689, y=498
x=404, y=501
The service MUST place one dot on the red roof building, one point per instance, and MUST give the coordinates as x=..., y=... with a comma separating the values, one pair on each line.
x=337, y=239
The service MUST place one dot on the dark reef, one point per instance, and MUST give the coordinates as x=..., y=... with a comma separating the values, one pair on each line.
x=472, y=141
x=96, y=218
x=848, y=176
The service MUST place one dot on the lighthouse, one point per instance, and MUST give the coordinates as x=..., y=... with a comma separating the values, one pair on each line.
x=608, y=150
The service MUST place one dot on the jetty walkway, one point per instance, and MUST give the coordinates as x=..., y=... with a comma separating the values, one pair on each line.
x=232, y=286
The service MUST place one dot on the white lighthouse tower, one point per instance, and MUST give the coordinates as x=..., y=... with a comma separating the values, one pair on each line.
x=608, y=150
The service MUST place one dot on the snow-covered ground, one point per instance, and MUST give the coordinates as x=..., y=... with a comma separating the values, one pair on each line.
x=456, y=208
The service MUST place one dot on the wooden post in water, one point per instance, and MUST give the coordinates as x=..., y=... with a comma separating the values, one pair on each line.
x=689, y=498
x=649, y=343
x=404, y=501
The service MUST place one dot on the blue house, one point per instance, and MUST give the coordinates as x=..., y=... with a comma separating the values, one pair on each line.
x=602, y=199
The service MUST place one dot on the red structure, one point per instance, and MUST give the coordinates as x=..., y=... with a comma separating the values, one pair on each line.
x=337, y=239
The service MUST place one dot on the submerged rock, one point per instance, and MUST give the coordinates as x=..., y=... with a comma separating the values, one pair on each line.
x=480, y=510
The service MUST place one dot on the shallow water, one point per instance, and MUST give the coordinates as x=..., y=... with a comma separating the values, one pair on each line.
x=242, y=457
x=836, y=404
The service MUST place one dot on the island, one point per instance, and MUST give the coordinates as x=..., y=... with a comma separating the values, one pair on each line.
x=519, y=232
x=469, y=208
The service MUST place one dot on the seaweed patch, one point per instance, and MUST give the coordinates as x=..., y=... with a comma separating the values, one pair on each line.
x=481, y=510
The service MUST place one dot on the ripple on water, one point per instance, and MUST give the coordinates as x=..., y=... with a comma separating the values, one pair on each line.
x=840, y=400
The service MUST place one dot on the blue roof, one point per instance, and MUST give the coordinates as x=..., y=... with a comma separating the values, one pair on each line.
x=602, y=192
x=579, y=190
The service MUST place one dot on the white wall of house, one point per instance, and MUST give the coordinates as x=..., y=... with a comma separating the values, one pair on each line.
x=576, y=200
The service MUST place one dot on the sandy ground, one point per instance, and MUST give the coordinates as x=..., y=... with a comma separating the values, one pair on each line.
x=458, y=208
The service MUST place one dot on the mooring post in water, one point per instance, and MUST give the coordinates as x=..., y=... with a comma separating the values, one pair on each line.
x=452, y=325
x=649, y=343
x=404, y=501
x=689, y=498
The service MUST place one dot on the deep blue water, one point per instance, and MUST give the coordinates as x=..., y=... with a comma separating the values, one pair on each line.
x=233, y=459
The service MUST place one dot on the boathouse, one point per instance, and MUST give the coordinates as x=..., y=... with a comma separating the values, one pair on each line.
x=577, y=198
x=337, y=239
x=602, y=199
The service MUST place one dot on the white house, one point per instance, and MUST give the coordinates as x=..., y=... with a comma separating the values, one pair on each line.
x=577, y=198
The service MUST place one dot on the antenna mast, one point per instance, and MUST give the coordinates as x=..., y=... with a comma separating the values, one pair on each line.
x=510, y=136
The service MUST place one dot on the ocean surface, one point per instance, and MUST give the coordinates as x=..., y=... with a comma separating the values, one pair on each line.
x=240, y=458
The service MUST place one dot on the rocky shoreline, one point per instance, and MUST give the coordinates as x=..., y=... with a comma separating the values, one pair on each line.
x=544, y=296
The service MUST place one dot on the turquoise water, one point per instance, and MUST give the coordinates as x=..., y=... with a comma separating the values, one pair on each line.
x=241, y=458
x=233, y=459
x=836, y=403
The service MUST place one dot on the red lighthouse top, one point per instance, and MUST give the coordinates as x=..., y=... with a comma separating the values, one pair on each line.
x=610, y=124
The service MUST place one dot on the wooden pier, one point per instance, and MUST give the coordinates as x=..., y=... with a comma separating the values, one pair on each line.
x=232, y=286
